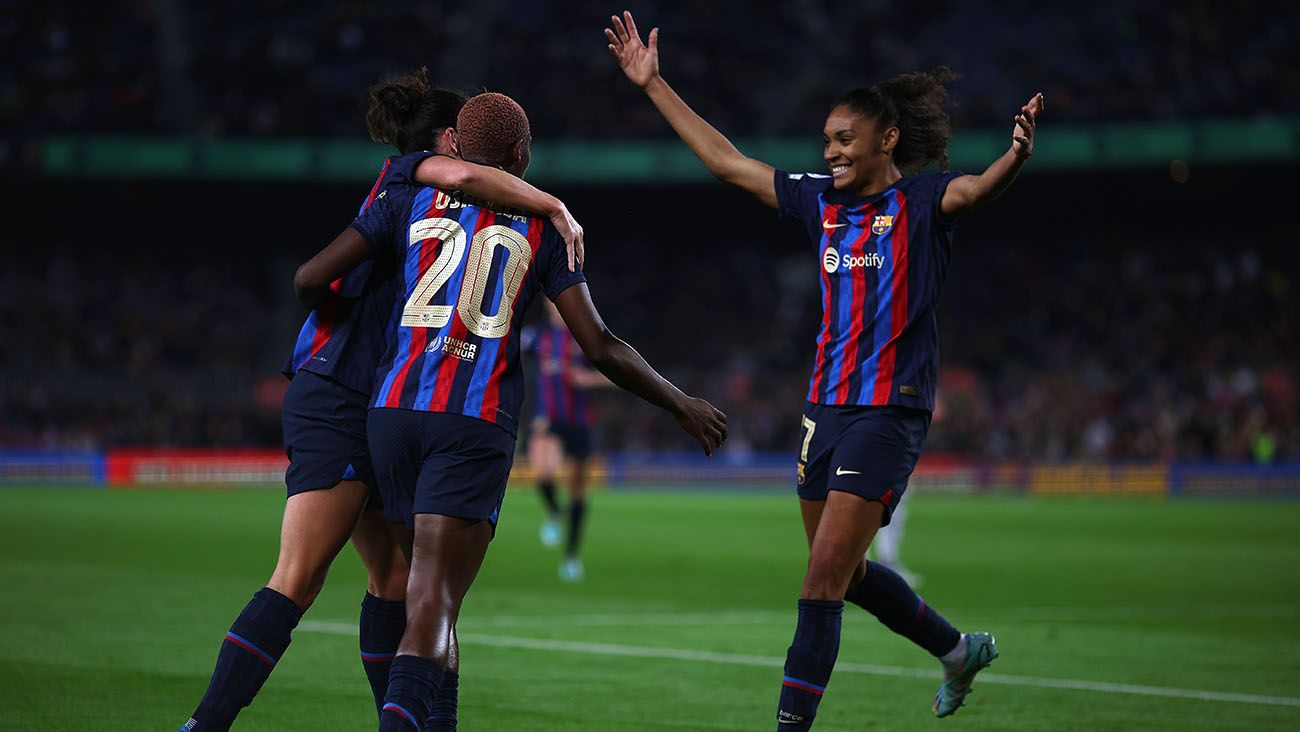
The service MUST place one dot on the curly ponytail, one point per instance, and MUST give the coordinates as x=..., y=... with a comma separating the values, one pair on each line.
x=916, y=104
x=407, y=114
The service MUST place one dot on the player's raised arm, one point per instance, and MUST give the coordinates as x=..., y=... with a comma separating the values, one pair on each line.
x=498, y=186
x=641, y=64
x=628, y=370
x=969, y=192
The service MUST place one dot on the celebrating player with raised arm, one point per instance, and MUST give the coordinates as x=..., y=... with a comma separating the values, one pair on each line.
x=445, y=408
x=883, y=233
x=330, y=480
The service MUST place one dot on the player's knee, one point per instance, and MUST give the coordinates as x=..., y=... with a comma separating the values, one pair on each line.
x=300, y=584
x=389, y=581
x=825, y=581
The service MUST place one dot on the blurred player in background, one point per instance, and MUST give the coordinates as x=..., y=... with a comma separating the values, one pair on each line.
x=887, y=546
x=883, y=233
x=445, y=410
x=331, y=485
x=562, y=428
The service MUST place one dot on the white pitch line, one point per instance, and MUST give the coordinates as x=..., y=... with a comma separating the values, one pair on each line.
x=782, y=617
x=737, y=659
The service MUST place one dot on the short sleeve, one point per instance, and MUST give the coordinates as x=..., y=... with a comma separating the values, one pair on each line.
x=941, y=181
x=553, y=269
x=796, y=193
x=376, y=224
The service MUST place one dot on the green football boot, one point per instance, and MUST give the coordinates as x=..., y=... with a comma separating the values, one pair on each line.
x=981, y=649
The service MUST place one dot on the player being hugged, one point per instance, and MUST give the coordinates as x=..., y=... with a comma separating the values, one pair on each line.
x=331, y=485
x=883, y=234
x=445, y=408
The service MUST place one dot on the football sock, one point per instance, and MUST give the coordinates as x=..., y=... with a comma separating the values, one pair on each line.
x=809, y=662
x=954, y=660
x=443, y=717
x=412, y=689
x=577, y=511
x=248, y=654
x=546, y=489
x=381, y=627
x=883, y=593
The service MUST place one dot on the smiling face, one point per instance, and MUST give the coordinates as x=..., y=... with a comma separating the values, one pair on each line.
x=858, y=154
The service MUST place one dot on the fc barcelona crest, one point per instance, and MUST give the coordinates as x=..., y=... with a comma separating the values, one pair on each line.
x=881, y=225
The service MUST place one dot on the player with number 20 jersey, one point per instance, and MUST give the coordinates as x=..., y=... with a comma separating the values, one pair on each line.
x=446, y=402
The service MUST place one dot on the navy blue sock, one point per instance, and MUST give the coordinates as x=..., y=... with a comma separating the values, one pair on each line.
x=883, y=593
x=809, y=662
x=546, y=489
x=248, y=654
x=443, y=717
x=577, y=511
x=412, y=688
x=382, y=625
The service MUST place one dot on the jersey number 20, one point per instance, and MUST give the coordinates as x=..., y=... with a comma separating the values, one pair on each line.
x=419, y=313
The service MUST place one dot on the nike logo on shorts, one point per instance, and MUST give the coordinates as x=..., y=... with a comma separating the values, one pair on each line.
x=842, y=471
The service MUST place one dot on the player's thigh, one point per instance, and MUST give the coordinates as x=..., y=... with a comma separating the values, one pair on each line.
x=875, y=453
x=811, y=512
x=847, y=526
x=448, y=554
x=315, y=527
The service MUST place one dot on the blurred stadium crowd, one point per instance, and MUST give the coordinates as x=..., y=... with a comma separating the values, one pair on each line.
x=294, y=68
x=1077, y=350
x=1113, y=350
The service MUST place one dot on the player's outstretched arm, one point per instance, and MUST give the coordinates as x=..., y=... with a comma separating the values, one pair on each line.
x=641, y=64
x=311, y=283
x=498, y=186
x=969, y=192
x=625, y=367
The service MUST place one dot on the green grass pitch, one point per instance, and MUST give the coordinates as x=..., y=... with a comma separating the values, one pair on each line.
x=1111, y=614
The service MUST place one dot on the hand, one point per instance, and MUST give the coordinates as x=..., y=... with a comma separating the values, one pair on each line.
x=638, y=61
x=700, y=420
x=571, y=231
x=1022, y=134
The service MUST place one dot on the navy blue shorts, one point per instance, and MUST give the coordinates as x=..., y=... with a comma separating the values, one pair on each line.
x=325, y=436
x=576, y=440
x=867, y=451
x=434, y=462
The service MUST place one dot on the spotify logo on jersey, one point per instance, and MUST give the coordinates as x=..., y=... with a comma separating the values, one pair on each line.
x=831, y=259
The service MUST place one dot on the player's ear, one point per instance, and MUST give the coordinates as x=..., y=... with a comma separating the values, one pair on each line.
x=521, y=156
x=889, y=140
x=450, y=141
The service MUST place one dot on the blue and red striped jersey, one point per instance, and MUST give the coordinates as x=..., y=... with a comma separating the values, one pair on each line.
x=883, y=259
x=466, y=272
x=343, y=337
x=559, y=397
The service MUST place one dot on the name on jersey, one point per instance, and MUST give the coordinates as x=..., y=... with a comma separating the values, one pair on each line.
x=457, y=199
x=453, y=347
x=833, y=262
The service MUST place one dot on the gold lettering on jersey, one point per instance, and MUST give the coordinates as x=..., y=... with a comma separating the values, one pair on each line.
x=519, y=254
